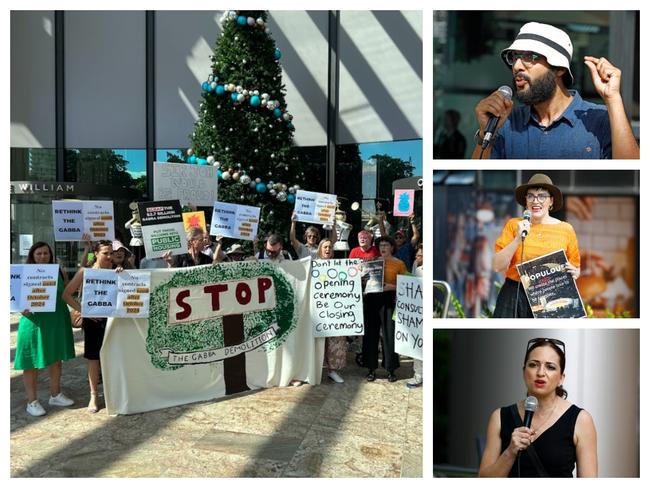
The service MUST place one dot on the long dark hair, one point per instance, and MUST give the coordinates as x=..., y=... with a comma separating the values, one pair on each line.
x=32, y=250
x=559, y=390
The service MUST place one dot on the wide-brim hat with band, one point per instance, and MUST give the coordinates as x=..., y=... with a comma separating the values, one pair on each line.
x=552, y=43
x=539, y=180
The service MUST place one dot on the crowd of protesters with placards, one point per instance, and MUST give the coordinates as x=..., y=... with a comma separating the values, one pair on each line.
x=45, y=337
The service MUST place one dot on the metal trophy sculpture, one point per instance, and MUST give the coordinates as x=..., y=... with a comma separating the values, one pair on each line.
x=342, y=228
x=373, y=222
x=135, y=227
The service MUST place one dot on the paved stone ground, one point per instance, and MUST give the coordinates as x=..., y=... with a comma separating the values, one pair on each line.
x=356, y=429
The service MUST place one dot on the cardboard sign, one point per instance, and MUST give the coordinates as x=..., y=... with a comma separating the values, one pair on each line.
x=551, y=291
x=409, y=332
x=107, y=293
x=33, y=287
x=73, y=219
x=372, y=276
x=194, y=219
x=236, y=221
x=404, y=203
x=162, y=228
x=315, y=208
x=336, y=297
x=191, y=184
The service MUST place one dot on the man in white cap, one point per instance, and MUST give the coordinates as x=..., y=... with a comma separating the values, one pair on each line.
x=554, y=122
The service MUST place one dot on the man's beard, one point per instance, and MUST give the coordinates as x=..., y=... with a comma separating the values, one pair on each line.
x=538, y=91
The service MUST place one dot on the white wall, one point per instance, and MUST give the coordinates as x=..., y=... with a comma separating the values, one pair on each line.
x=32, y=79
x=380, y=85
x=602, y=376
x=105, y=79
x=381, y=76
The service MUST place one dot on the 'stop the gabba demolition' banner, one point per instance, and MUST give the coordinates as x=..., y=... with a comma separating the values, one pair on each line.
x=212, y=331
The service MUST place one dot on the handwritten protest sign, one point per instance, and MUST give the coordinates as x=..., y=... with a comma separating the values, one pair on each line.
x=194, y=219
x=551, y=291
x=404, y=203
x=188, y=183
x=372, y=276
x=110, y=294
x=33, y=287
x=409, y=333
x=336, y=297
x=236, y=221
x=315, y=208
x=162, y=228
x=72, y=219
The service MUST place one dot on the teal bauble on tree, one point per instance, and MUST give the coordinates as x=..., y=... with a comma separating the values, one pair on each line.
x=244, y=122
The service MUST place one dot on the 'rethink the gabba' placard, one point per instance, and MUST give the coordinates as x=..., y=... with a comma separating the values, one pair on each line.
x=551, y=290
x=107, y=293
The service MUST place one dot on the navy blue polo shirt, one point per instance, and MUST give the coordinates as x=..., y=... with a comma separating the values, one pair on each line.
x=581, y=132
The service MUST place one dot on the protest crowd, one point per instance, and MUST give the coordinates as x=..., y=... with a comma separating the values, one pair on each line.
x=45, y=338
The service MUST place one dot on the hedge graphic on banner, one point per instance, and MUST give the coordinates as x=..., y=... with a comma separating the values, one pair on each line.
x=409, y=333
x=336, y=297
x=218, y=313
x=551, y=291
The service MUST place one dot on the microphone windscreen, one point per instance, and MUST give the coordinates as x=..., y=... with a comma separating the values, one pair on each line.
x=530, y=404
x=506, y=91
x=528, y=215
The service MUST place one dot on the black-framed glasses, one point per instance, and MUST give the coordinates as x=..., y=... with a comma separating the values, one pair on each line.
x=557, y=342
x=527, y=57
x=541, y=198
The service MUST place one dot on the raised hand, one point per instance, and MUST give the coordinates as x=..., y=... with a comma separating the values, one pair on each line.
x=605, y=76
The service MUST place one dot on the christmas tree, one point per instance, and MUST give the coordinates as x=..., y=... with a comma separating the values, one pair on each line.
x=244, y=128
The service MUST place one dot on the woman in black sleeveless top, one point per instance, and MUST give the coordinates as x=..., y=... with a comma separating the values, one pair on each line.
x=561, y=436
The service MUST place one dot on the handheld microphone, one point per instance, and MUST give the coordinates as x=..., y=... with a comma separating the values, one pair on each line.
x=527, y=216
x=491, y=127
x=530, y=406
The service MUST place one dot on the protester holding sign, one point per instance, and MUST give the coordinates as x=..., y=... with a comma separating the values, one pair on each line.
x=335, y=347
x=312, y=237
x=93, y=328
x=366, y=251
x=121, y=256
x=386, y=305
x=540, y=235
x=404, y=249
x=44, y=340
x=194, y=256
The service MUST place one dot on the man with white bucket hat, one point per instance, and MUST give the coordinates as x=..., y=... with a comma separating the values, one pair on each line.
x=552, y=121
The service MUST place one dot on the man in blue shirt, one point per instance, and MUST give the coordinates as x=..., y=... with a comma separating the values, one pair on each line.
x=554, y=122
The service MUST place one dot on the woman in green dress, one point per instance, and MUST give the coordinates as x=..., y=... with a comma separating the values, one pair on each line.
x=44, y=340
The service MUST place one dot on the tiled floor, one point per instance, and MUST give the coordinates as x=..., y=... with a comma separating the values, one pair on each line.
x=355, y=429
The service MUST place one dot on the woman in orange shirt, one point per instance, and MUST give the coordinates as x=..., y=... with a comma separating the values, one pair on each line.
x=544, y=234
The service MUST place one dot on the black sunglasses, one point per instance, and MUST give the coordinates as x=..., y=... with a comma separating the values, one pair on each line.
x=557, y=342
